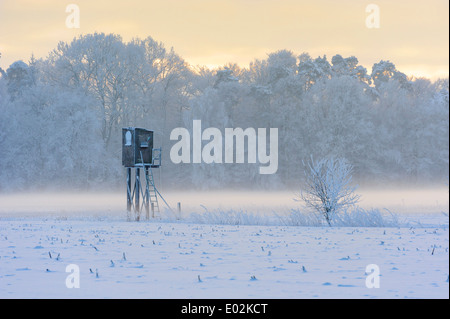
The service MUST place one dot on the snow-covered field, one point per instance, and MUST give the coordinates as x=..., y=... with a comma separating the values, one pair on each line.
x=182, y=259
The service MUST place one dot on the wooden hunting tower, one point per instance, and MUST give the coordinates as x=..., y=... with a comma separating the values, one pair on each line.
x=138, y=152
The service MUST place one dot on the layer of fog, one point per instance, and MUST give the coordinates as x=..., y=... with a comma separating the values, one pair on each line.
x=432, y=200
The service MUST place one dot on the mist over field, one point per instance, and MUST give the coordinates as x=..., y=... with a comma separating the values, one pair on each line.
x=224, y=244
x=113, y=204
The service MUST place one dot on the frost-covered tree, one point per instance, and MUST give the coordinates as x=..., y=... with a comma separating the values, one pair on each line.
x=349, y=67
x=328, y=187
x=2, y=72
x=19, y=76
x=336, y=121
x=217, y=107
x=5, y=124
x=225, y=75
x=280, y=65
x=385, y=71
x=52, y=141
x=312, y=71
x=97, y=64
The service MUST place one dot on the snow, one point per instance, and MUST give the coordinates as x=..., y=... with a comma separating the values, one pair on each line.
x=182, y=259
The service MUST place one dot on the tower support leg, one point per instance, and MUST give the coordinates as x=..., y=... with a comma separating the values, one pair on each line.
x=147, y=194
x=137, y=193
x=129, y=199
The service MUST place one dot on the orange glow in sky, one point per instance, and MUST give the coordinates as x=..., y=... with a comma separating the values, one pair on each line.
x=412, y=34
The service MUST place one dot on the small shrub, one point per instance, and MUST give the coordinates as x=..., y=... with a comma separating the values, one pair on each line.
x=328, y=187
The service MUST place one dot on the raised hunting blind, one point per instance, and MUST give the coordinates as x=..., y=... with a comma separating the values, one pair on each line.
x=137, y=153
x=137, y=147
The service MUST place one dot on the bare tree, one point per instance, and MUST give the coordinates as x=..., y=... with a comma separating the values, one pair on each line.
x=328, y=187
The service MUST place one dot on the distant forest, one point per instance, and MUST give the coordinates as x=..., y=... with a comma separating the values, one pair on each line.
x=61, y=116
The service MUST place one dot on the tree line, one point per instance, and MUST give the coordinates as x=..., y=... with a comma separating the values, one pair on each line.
x=61, y=116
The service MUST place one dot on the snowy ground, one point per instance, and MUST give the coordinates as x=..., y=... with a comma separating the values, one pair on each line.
x=155, y=259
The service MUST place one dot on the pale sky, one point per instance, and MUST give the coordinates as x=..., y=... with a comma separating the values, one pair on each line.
x=413, y=34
